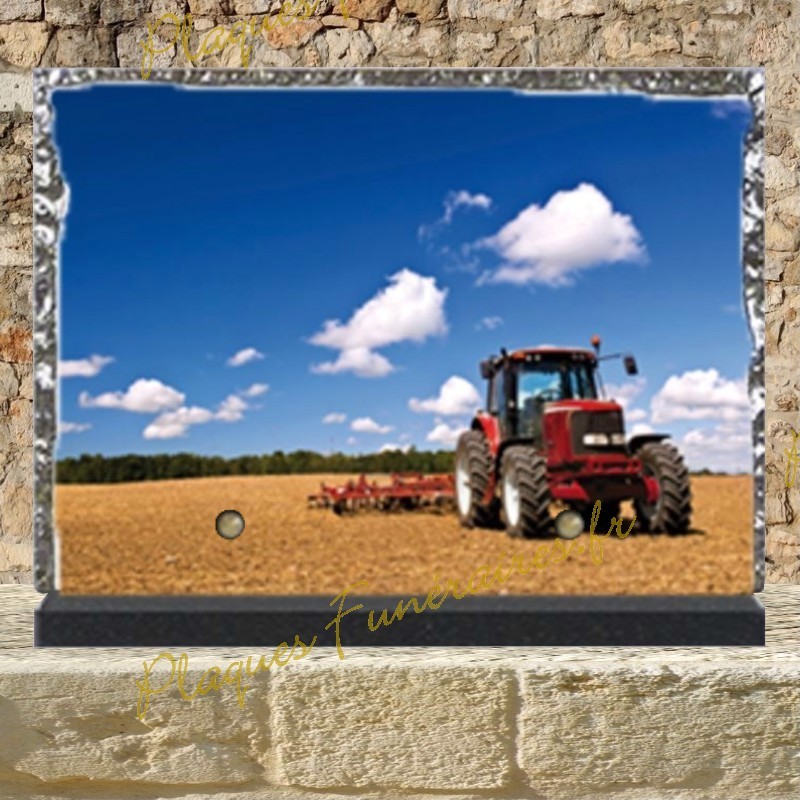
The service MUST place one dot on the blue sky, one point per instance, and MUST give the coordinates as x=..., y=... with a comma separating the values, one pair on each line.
x=240, y=265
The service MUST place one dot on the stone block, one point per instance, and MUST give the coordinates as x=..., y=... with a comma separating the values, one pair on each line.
x=556, y=9
x=131, y=54
x=113, y=11
x=423, y=10
x=248, y=7
x=631, y=40
x=9, y=382
x=76, y=47
x=299, y=33
x=645, y=731
x=22, y=44
x=451, y=726
x=16, y=243
x=495, y=10
x=21, y=9
x=341, y=47
x=210, y=740
x=15, y=302
x=207, y=8
x=334, y=21
x=569, y=41
x=369, y=10
x=783, y=556
x=72, y=12
x=16, y=89
x=16, y=484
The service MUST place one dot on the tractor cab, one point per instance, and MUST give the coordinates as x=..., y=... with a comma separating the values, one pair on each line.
x=521, y=384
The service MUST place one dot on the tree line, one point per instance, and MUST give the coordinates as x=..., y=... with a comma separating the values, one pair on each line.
x=117, y=469
x=127, y=468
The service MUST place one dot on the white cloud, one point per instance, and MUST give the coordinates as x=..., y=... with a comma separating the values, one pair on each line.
x=730, y=106
x=360, y=361
x=576, y=229
x=489, y=324
x=700, y=394
x=640, y=428
x=456, y=396
x=368, y=425
x=727, y=447
x=174, y=424
x=625, y=393
x=391, y=448
x=454, y=200
x=334, y=418
x=411, y=308
x=445, y=434
x=244, y=357
x=231, y=409
x=351, y=440
x=144, y=396
x=636, y=415
x=73, y=427
x=256, y=390
x=464, y=199
x=84, y=367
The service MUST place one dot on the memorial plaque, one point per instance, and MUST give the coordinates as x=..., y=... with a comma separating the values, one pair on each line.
x=413, y=357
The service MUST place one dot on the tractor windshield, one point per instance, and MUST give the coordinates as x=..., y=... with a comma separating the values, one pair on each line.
x=547, y=382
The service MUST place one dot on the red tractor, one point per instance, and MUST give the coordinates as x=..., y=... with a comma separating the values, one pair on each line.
x=546, y=435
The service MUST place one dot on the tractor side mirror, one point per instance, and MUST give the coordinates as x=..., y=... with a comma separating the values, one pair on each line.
x=486, y=369
x=630, y=365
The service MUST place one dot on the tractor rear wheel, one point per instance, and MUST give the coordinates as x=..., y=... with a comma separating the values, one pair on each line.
x=473, y=473
x=525, y=493
x=672, y=511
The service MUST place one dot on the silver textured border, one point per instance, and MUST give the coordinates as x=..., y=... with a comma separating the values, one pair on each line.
x=51, y=193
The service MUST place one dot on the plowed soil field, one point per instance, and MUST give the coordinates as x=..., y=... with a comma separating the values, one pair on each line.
x=159, y=538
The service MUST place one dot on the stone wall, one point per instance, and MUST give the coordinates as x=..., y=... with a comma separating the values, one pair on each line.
x=383, y=33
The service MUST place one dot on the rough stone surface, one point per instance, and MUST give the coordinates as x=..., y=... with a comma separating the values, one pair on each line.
x=425, y=724
x=342, y=47
x=130, y=53
x=75, y=47
x=702, y=724
x=16, y=89
x=23, y=43
x=299, y=33
x=21, y=9
x=556, y=9
x=112, y=11
x=665, y=33
x=72, y=12
x=207, y=8
x=334, y=21
x=423, y=10
x=454, y=731
x=369, y=9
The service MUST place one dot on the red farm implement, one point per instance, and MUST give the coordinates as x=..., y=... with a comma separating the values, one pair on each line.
x=406, y=491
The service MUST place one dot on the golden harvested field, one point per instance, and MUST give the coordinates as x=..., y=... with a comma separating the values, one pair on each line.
x=159, y=538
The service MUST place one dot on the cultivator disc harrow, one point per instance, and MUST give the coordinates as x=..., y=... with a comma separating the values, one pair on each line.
x=406, y=491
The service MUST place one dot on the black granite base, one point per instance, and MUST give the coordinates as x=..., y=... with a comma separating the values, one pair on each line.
x=84, y=621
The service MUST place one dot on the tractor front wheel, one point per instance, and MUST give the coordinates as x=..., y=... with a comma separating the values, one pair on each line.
x=473, y=473
x=525, y=493
x=672, y=511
